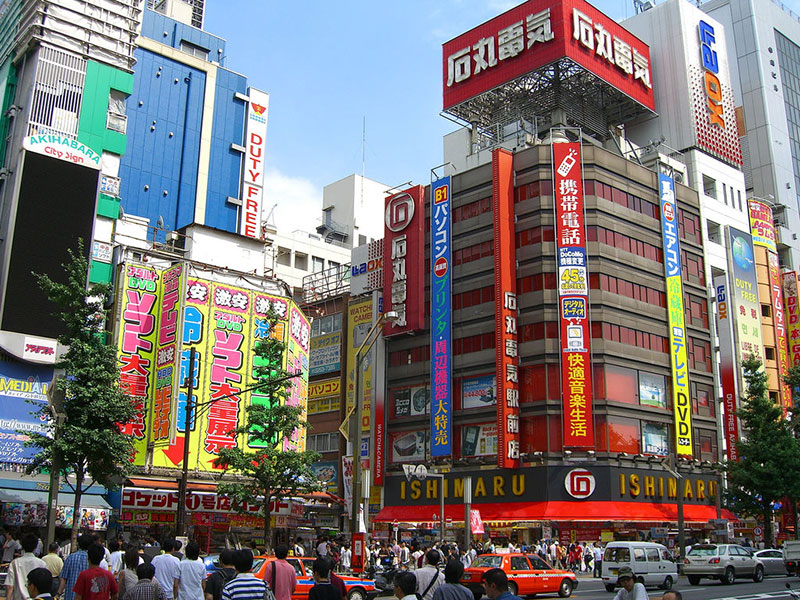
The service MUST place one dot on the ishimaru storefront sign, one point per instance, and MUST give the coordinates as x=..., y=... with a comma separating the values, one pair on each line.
x=560, y=484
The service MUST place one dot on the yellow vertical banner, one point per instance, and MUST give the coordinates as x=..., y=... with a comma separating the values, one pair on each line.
x=138, y=300
x=297, y=362
x=165, y=376
x=359, y=321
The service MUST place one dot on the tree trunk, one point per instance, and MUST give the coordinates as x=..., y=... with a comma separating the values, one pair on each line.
x=267, y=528
x=768, y=528
x=76, y=510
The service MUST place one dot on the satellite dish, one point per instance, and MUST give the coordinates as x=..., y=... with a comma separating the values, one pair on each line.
x=160, y=222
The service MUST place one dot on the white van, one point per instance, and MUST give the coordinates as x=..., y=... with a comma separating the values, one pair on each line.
x=652, y=564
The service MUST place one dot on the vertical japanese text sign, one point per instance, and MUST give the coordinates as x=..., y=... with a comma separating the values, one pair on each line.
x=677, y=328
x=727, y=365
x=137, y=339
x=573, y=296
x=505, y=298
x=792, y=316
x=441, y=315
x=404, y=261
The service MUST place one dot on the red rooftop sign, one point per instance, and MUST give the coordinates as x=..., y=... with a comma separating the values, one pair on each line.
x=538, y=33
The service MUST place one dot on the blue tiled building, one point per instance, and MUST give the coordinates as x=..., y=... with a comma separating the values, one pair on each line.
x=186, y=121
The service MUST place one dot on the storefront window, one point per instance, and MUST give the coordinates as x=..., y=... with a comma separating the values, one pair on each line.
x=655, y=438
x=652, y=390
x=621, y=385
x=623, y=435
x=702, y=403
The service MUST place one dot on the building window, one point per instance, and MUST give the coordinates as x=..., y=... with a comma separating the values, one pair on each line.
x=317, y=264
x=766, y=310
x=324, y=442
x=714, y=232
x=702, y=403
x=710, y=187
x=194, y=50
x=655, y=438
x=301, y=261
x=769, y=352
x=284, y=257
x=623, y=435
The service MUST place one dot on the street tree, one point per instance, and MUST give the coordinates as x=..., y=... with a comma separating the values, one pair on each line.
x=769, y=457
x=89, y=444
x=267, y=465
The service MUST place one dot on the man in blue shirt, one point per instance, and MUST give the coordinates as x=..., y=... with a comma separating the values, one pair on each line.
x=495, y=583
x=73, y=565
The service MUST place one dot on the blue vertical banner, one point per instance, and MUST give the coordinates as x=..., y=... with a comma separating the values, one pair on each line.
x=441, y=320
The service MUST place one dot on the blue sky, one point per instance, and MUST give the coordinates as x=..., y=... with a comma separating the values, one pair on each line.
x=327, y=66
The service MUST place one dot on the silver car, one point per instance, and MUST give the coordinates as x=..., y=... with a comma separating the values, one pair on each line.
x=724, y=562
x=773, y=561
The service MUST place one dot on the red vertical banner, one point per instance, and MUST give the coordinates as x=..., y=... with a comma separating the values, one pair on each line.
x=404, y=260
x=573, y=296
x=792, y=316
x=727, y=366
x=779, y=320
x=505, y=299
x=359, y=553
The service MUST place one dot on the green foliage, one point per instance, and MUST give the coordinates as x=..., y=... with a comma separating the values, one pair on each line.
x=89, y=443
x=267, y=471
x=793, y=381
x=769, y=465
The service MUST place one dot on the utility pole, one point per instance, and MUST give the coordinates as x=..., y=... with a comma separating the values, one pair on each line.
x=180, y=522
x=55, y=399
x=672, y=467
x=467, y=512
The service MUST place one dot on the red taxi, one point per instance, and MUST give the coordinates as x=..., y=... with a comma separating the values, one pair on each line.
x=357, y=588
x=527, y=575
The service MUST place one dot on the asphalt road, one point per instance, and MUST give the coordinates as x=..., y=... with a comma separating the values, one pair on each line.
x=769, y=589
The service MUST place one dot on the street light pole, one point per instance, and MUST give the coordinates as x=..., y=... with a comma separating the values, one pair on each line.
x=180, y=522
x=55, y=398
x=672, y=467
x=356, y=415
x=467, y=512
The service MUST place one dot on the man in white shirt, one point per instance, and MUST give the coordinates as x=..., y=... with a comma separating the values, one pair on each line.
x=115, y=558
x=429, y=577
x=631, y=589
x=598, y=560
x=167, y=568
x=322, y=547
x=345, y=557
x=17, y=578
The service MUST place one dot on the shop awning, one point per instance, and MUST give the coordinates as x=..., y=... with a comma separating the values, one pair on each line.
x=170, y=484
x=556, y=511
x=40, y=497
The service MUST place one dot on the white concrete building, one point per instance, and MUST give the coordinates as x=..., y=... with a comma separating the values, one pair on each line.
x=352, y=210
x=764, y=58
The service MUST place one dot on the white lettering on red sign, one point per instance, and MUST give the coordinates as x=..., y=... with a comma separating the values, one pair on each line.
x=597, y=39
x=509, y=42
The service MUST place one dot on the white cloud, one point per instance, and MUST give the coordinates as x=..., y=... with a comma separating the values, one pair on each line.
x=299, y=202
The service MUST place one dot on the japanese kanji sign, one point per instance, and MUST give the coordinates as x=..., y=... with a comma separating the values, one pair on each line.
x=505, y=302
x=681, y=398
x=573, y=296
x=744, y=294
x=441, y=319
x=792, y=316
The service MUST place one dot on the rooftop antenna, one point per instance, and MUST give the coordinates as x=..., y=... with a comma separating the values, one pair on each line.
x=269, y=216
x=639, y=6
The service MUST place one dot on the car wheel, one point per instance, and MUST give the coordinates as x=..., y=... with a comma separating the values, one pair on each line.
x=513, y=587
x=565, y=589
x=610, y=587
x=667, y=585
x=729, y=577
x=694, y=579
x=759, y=574
x=356, y=594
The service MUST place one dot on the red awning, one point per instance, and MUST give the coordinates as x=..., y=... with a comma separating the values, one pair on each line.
x=158, y=484
x=557, y=511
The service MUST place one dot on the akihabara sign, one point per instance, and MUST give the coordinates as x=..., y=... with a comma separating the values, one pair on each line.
x=63, y=148
x=536, y=34
x=253, y=168
x=573, y=292
x=404, y=260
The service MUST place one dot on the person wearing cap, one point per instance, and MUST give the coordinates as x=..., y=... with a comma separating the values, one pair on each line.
x=631, y=589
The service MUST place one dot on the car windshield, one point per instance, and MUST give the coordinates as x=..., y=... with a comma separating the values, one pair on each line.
x=257, y=562
x=703, y=551
x=617, y=555
x=491, y=562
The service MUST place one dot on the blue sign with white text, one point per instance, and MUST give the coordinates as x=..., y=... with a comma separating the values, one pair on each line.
x=23, y=390
x=441, y=319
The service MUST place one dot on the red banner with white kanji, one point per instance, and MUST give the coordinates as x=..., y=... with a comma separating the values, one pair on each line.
x=573, y=296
